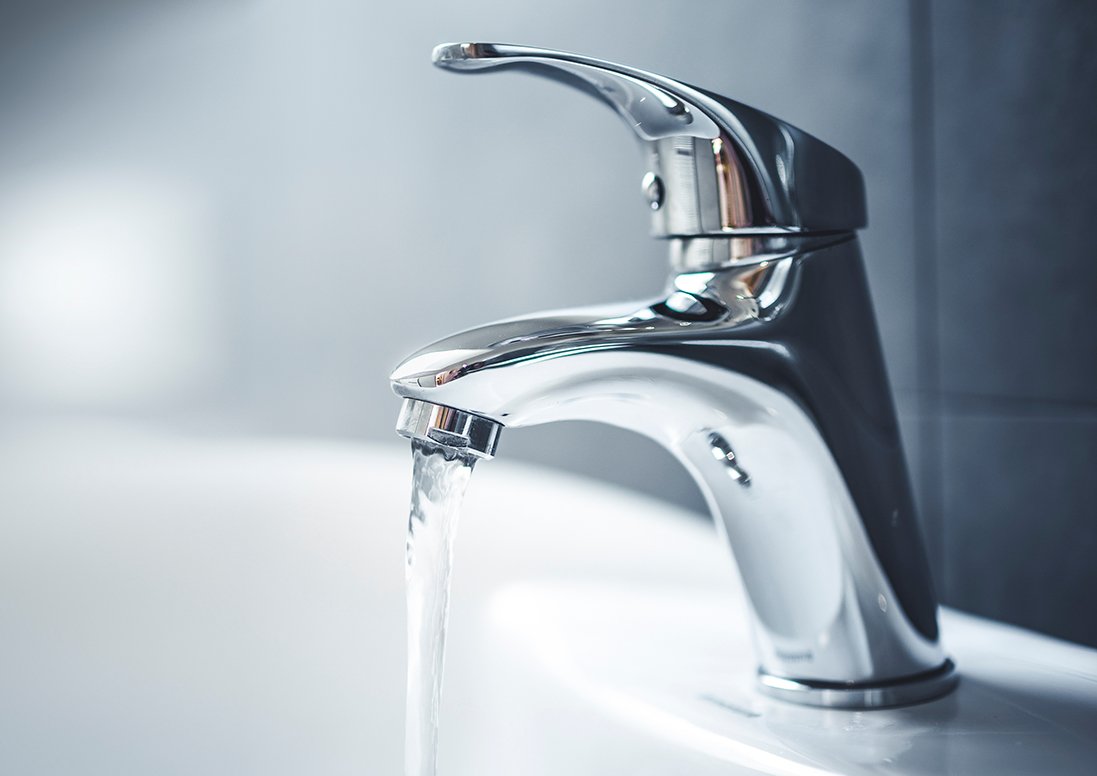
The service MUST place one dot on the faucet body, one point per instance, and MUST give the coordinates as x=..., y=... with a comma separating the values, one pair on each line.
x=759, y=368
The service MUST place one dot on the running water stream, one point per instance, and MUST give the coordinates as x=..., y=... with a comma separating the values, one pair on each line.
x=440, y=477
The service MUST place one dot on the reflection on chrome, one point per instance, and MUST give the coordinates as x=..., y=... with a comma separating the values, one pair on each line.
x=759, y=368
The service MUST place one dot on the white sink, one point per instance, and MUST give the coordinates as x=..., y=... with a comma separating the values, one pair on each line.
x=236, y=607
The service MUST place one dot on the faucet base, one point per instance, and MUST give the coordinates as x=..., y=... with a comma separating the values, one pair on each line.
x=853, y=695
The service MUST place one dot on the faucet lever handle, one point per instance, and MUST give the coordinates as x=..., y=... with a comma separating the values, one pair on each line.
x=651, y=109
x=716, y=167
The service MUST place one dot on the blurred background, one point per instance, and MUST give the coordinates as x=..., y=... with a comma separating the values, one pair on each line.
x=236, y=217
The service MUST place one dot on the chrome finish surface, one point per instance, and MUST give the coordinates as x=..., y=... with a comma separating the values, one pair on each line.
x=759, y=368
x=834, y=695
x=449, y=427
x=691, y=254
x=724, y=167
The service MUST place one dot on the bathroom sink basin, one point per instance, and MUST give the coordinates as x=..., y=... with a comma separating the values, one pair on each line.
x=236, y=606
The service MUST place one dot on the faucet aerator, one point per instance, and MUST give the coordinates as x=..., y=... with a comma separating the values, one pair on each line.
x=449, y=427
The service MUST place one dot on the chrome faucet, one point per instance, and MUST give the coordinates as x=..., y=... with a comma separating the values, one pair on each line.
x=759, y=368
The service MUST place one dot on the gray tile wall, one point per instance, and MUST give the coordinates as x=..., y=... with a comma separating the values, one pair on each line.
x=1013, y=128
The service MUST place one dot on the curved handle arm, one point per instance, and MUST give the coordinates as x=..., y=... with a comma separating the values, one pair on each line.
x=716, y=166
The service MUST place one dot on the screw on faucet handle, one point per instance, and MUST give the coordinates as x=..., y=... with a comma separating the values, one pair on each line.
x=721, y=168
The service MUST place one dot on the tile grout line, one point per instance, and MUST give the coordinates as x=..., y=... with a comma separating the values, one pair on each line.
x=923, y=187
x=1015, y=406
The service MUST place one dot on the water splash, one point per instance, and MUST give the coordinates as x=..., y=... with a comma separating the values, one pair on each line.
x=440, y=477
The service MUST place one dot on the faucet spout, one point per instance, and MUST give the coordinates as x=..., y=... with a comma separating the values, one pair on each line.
x=763, y=376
